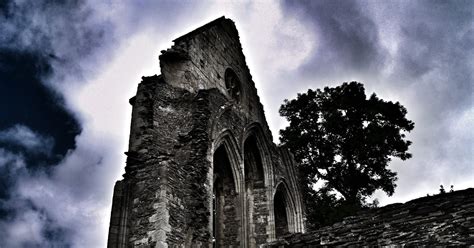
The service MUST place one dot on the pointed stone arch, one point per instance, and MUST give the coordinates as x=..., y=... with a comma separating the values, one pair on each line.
x=228, y=216
x=228, y=141
x=253, y=162
x=255, y=129
x=258, y=176
x=284, y=211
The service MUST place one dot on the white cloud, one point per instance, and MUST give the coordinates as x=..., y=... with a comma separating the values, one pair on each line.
x=27, y=225
x=11, y=161
x=27, y=229
x=77, y=196
x=74, y=197
x=31, y=141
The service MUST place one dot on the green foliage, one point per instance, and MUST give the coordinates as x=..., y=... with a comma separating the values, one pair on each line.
x=326, y=208
x=340, y=136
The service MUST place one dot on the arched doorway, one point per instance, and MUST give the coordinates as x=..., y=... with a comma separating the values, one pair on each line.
x=283, y=210
x=226, y=217
x=257, y=210
x=281, y=217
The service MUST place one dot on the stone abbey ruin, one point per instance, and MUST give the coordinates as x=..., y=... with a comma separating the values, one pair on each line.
x=202, y=170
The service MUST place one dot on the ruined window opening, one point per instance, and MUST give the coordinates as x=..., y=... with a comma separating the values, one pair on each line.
x=232, y=85
x=280, y=210
x=225, y=216
x=253, y=162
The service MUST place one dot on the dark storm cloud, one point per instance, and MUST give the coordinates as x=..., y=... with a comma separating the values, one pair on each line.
x=434, y=67
x=24, y=99
x=11, y=165
x=417, y=52
x=347, y=38
x=433, y=39
x=55, y=172
x=39, y=41
x=436, y=51
x=433, y=34
x=61, y=32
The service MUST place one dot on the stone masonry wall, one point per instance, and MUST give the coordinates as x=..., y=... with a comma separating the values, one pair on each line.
x=179, y=120
x=199, y=59
x=171, y=143
x=445, y=220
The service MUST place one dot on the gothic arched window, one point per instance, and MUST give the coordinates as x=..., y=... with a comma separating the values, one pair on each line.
x=232, y=85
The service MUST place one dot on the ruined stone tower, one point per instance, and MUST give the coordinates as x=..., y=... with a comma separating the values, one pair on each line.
x=202, y=170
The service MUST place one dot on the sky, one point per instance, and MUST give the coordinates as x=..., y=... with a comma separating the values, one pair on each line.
x=68, y=68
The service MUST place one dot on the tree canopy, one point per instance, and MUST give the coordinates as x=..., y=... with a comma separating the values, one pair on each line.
x=340, y=136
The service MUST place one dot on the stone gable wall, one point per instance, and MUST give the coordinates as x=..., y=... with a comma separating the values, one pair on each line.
x=180, y=120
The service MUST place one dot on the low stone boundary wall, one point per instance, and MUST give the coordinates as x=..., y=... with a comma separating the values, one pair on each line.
x=439, y=220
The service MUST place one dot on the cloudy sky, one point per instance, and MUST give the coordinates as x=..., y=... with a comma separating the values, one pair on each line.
x=67, y=71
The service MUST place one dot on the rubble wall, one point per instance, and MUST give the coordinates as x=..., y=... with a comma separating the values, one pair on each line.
x=445, y=220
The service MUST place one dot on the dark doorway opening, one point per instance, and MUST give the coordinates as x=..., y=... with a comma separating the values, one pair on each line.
x=257, y=210
x=281, y=217
x=226, y=221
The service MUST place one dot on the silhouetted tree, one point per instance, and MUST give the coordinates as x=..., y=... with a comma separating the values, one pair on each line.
x=325, y=208
x=340, y=136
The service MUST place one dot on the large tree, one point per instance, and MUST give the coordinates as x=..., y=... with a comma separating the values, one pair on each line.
x=340, y=136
